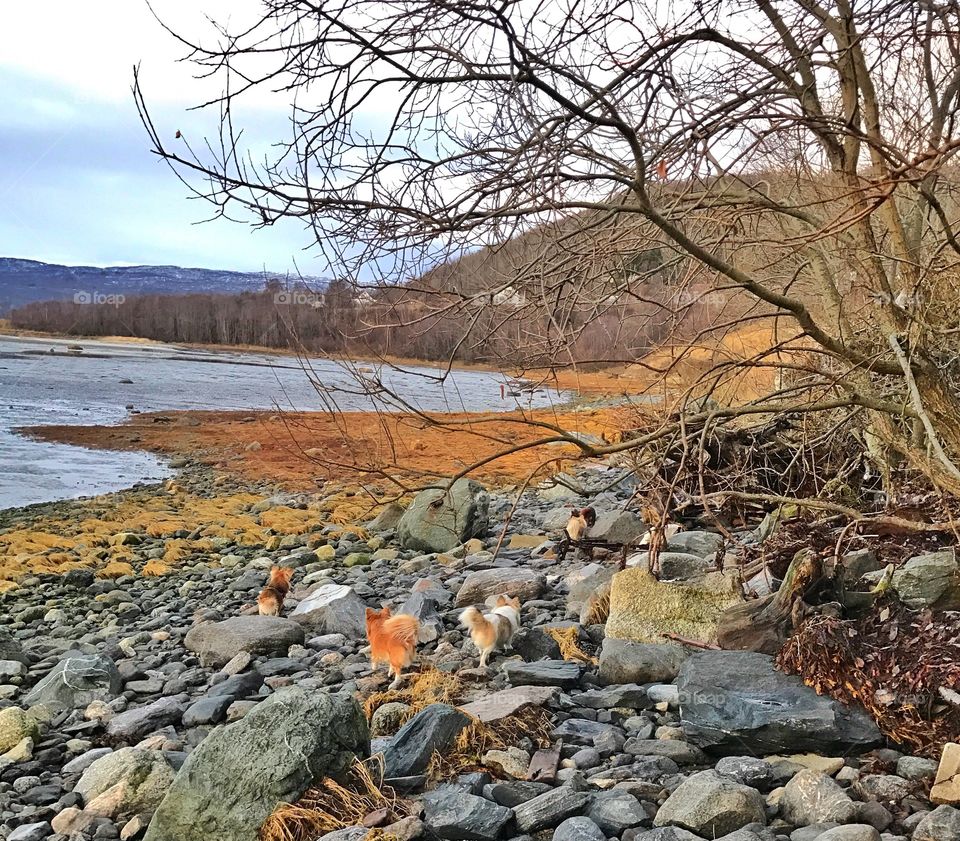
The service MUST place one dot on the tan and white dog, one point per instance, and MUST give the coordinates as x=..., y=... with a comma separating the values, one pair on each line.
x=490, y=631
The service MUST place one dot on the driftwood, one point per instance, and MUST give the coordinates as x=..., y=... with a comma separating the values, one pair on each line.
x=765, y=624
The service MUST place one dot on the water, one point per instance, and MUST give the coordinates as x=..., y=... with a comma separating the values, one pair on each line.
x=40, y=387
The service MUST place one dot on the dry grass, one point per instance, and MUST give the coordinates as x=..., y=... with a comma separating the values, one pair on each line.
x=431, y=686
x=477, y=738
x=567, y=639
x=329, y=806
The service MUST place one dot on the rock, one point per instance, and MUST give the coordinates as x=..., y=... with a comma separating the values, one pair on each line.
x=424, y=607
x=388, y=718
x=522, y=583
x=813, y=797
x=942, y=824
x=946, y=785
x=434, y=728
x=217, y=643
x=15, y=726
x=929, y=581
x=507, y=702
x=678, y=566
x=388, y=518
x=132, y=725
x=561, y=673
x=10, y=648
x=583, y=583
x=333, y=609
x=76, y=681
x=85, y=760
x=643, y=609
x=458, y=816
x=534, y=644
x=236, y=776
x=581, y=731
x=916, y=768
x=882, y=788
x=622, y=661
x=704, y=544
x=549, y=808
x=749, y=771
x=143, y=777
x=438, y=519
x=851, y=832
x=619, y=527
x=616, y=812
x=625, y=695
x=511, y=762
x=711, y=805
x=30, y=832
x=578, y=828
x=679, y=751
x=207, y=711
x=667, y=833
x=736, y=700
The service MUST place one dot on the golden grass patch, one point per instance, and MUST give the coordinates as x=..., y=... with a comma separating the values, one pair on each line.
x=568, y=640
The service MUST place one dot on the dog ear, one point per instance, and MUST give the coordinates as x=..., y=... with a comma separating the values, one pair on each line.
x=385, y=611
x=371, y=613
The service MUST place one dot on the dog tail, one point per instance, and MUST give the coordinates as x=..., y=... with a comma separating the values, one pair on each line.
x=403, y=628
x=473, y=619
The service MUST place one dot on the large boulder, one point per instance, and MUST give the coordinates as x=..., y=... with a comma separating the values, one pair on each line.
x=219, y=642
x=76, y=681
x=133, y=724
x=333, y=609
x=15, y=726
x=439, y=519
x=142, y=778
x=712, y=805
x=619, y=527
x=736, y=700
x=460, y=816
x=495, y=706
x=236, y=776
x=931, y=580
x=706, y=544
x=942, y=824
x=643, y=609
x=522, y=583
x=434, y=728
x=622, y=661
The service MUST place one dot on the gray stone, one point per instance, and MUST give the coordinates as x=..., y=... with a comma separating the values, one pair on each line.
x=507, y=702
x=440, y=519
x=813, y=797
x=132, y=725
x=614, y=812
x=678, y=565
x=459, y=816
x=581, y=731
x=749, y=771
x=731, y=701
x=549, y=808
x=79, y=764
x=942, y=824
x=217, y=643
x=619, y=527
x=423, y=606
x=851, y=832
x=388, y=518
x=522, y=583
x=679, y=751
x=561, y=673
x=434, y=728
x=144, y=777
x=578, y=828
x=916, y=768
x=75, y=682
x=623, y=695
x=705, y=544
x=711, y=805
x=31, y=832
x=622, y=661
x=333, y=609
x=929, y=581
x=207, y=711
x=236, y=776
x=534, y=644
x=512, y=793
x=667, y=833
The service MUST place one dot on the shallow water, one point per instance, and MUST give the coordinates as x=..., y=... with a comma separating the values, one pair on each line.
x=42, y=381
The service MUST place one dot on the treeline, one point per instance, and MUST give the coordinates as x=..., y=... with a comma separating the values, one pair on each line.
x=340, y=320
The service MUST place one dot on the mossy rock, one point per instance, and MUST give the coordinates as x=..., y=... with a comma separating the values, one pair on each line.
x=643, y=609
x=15, y=726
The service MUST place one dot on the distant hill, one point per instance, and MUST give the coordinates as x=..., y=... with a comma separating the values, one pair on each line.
x=25, y=281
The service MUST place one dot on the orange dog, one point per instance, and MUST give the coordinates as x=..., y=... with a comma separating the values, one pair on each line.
x=270, y=600
x=393, y=640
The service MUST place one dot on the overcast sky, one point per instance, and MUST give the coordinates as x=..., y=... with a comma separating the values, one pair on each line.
x=77, y=182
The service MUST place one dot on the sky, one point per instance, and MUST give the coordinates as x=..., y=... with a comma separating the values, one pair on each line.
x=78, y=184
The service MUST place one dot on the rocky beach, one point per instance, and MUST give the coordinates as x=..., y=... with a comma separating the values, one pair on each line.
x=142, y=697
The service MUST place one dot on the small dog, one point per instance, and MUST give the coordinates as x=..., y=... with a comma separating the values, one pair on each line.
x=580, y=520
x=393, y=640
x=270, y=600
x=492, y=630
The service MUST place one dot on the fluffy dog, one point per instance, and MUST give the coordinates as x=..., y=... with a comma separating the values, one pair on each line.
x=494, y=630
x=393, y=640
x=580, y=520
x=270, y=600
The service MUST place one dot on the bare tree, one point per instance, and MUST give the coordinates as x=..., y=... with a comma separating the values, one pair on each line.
x=793, y=159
